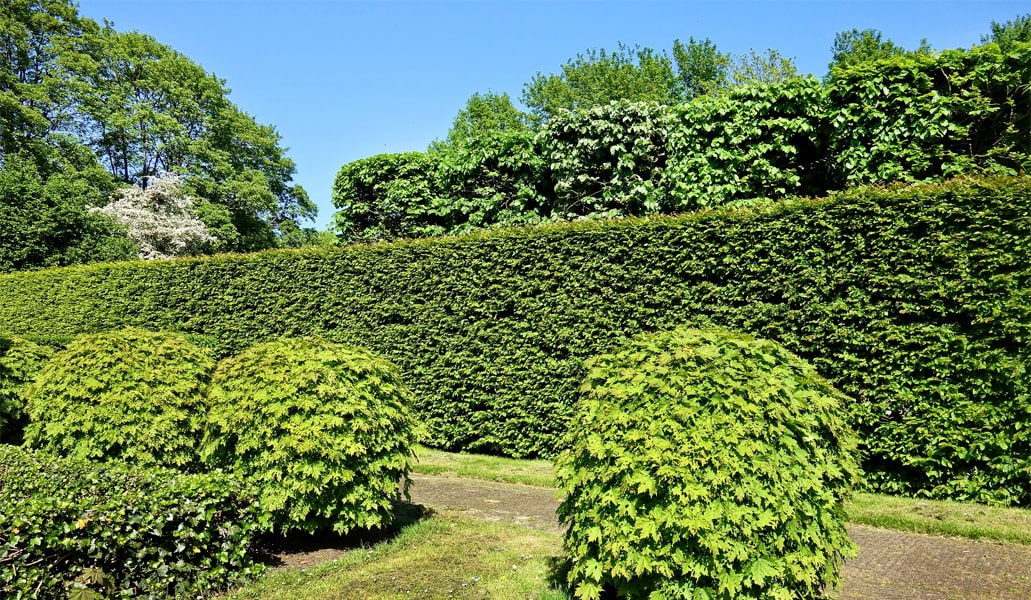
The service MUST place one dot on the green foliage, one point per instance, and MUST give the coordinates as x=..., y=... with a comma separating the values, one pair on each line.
x=755, y=67
x=484, y=114
x=706, y=464
x=855, y=47
x=761, y=141
x=1011, y=34
x=76, y=529
x=131, y=395
x=20, y=360
x=913, y=300
x=598, y=77
x=493, y=180
x=701, y=68
x=918, y=116
x=323, y=432
x=606, y=160
x=385, y=197
x=73, y=93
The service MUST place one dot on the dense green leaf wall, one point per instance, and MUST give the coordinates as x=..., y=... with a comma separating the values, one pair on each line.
x=914, y=302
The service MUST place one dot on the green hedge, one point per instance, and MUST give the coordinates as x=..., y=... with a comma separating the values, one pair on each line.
x=914, y=302
x=119, y=531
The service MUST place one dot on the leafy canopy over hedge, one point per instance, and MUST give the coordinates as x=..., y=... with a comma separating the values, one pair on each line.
x=706, y=464
x=911, y=117
x=915, y=302
x=133, y=395
x=322, y=431
x=114, y=530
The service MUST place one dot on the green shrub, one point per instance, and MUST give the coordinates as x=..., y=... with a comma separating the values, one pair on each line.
x=68, y=525
x=907, y=299
x=20, y=360
x=706, y=464
x=323, y=431
x=131, y=394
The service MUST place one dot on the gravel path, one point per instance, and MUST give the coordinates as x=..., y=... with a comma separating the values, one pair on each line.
x=892, y=565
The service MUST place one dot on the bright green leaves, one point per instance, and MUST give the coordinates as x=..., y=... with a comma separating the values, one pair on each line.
x=20, y=360
x=704, y=480
x=131, y=395
x=72, y=528
x=322, y=431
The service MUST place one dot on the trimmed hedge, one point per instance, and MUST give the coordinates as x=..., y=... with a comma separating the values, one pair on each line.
x=706, y=464
x=323, y=432
x=116, y=530
x=130, y=394
x=20, y=360
x=915, y=302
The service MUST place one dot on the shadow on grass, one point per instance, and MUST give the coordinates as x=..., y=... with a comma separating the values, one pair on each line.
x=303, y=549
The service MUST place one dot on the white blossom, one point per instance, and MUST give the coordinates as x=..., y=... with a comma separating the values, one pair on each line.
x=160, y=219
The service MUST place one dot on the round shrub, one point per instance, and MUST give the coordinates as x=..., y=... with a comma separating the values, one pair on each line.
x=20, y=360
x=323, y=431
x=706, y=464
x=132, y=395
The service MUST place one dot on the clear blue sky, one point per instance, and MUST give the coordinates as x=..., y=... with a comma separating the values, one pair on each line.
x=344, y=80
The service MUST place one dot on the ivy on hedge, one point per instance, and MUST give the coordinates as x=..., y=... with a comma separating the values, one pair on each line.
x=69, y=526
x=915, y=302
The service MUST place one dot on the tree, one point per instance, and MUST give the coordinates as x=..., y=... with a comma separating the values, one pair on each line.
x=599, y=77
x=701, y=68
x=77, y=98
x=483, y=114
x=43, y=217
x=1007, y=34
x=159, y=219
x=855, y=46
x=755, y=67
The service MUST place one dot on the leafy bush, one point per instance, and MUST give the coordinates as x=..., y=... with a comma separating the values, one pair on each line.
x=920, y=116
x=706, y=464
x=130, y=394
x=911, y=300
x=607, y=160
x=75, y=526
x=20, y=360
x=758, y=142
x=323, y=431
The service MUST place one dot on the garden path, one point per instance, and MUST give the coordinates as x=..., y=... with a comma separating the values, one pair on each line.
x=892, y=565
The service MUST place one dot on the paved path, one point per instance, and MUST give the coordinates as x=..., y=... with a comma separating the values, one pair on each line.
x=892, y=565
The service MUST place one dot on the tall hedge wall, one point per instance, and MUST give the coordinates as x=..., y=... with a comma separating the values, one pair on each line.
x=915, y=302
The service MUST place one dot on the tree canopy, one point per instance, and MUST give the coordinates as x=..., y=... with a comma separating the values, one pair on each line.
x=100, y=109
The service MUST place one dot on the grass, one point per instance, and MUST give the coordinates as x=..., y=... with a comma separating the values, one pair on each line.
x=935, y=517
x=451, y=556
x=443, y=556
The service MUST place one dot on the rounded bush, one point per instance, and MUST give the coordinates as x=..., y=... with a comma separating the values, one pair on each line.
x=20, y=360
x=323, y=431
x=132, y=395
x=706, y=464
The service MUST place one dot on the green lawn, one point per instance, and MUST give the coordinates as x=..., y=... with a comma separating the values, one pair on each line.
x=450, y=556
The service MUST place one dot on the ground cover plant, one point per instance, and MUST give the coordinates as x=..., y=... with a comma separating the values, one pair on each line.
x=130, y=395
x=706, y=463
x=324, y=432
x=79, y=529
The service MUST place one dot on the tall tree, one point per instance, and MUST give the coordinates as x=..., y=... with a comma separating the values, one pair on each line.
x=855, y=46
x=766, y=67
x=483, y=114
x=701, y=68
x=1007, y=34
x=599, y=77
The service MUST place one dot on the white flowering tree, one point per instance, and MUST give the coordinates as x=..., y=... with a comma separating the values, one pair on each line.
x=160, y=219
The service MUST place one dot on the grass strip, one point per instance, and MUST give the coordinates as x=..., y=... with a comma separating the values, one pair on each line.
x=442, y=556
x=935, y=517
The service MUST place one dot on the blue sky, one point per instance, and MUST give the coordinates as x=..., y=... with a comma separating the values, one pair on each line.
x=344, y=80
